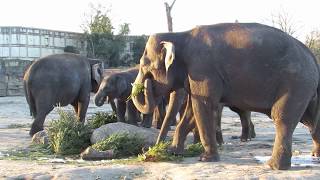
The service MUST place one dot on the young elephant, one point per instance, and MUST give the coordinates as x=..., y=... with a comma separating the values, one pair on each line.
x=118, y=87
x=59, y=80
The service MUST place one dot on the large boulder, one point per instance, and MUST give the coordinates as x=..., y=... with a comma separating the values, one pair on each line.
x=149, y=134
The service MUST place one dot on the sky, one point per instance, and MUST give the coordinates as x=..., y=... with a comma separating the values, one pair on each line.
x=148, y=16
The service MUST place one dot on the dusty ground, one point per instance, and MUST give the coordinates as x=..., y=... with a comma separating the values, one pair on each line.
x=237, y=158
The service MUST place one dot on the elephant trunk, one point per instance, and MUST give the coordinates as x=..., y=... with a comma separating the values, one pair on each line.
x=99, y=99
x=145, y=102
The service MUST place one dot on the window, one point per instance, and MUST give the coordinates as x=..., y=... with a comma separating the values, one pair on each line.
x=15, y=39
x=4, y=51
x=23, y=39
x=33, y=52
x=4, y=38
x=15, y=52
x=23, y=51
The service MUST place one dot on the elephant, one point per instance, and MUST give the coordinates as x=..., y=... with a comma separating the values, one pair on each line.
x=180, y=101
x=250, y=66
x=59, y=80
x=117, y=87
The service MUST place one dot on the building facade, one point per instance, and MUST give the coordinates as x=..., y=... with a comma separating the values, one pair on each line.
x=31, y=43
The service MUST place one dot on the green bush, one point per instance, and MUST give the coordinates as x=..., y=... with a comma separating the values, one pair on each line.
x=159, y=152
x=101, y=118
x=194, y=150
x=67, y=135
x=123, y=145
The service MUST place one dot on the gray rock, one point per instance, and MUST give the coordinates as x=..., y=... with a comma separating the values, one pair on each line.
x=149, y=134
x=40, y=137
x=92, y=154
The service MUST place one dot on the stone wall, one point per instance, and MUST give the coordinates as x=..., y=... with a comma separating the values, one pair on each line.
x=11, y=77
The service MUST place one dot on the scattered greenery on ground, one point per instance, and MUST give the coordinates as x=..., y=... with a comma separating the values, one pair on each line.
x=137, y=88
x=159, y=152
x=15, y=126
x=123, y=145
x=33, y=152
x=101, y=118
x=67, y=135
x=193, y=150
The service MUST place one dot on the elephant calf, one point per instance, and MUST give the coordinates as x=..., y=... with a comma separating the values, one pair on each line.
x=118, y=86
x=60, y=79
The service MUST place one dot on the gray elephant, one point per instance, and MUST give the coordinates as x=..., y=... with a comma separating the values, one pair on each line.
x=180, y=102
x=246, y=65
x=117, y=87
x=59, y=80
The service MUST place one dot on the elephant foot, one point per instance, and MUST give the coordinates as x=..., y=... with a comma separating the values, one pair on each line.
x=205, y=157
x=219, y=138
x=175, y=150
x=34, y=129
x=279, y=164
x=252, y=133
x=245, y=138
x=315, y=152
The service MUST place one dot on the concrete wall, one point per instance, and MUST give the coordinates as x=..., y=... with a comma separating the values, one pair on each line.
x=11, y=77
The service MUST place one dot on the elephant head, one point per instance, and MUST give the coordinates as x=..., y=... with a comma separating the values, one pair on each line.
x=160, y=70
x=111, y=87
x=96, y=74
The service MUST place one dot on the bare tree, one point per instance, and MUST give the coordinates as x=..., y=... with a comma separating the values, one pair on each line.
x=285, y=22
x=169, y=17
x=313, y=43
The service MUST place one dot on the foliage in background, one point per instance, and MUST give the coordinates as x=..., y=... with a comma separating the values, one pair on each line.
x=123, y=145
x=67, y=135
x=138, y=48
x=71, y=49
x=102, y=41
x=101, y=118
x=313, y=42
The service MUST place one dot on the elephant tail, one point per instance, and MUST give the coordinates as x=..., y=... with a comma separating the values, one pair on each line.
x=29, y=98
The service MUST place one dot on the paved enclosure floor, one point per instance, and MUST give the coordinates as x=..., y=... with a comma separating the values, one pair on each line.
x=237, y=158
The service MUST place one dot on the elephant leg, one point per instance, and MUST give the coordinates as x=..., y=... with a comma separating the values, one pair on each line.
x=147, y=120
x=82, y=109
x=219, y=129
x=185, y=125
x=133, y=116
x=121, y=110
x=175, y=103
x=159, y=114
x=205, y=113
x=247, y=126
x=43, y=108
x=310, y=120
x=286, y=113
x=75, y=107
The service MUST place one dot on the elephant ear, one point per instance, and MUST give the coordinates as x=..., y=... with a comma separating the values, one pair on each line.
x=97, y=72
x=170, y=53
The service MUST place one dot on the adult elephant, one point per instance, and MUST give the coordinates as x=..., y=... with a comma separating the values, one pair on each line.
x=245, y=65
x=118, y=87
x=180, y=101
x=59, y=80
